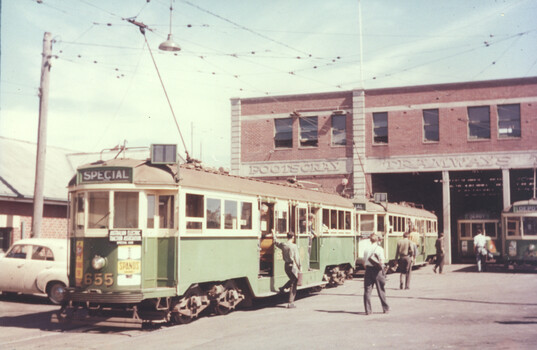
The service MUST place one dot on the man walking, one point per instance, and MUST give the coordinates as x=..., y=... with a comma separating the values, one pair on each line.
x=480, y=249
x=374, y=275
x=403, y=255
x=291, y=256
x=439, y=253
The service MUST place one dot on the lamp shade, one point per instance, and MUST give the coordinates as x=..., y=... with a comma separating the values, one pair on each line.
x=169, y=45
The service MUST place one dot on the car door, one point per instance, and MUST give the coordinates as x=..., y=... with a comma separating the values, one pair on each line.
x=12, y=267
x=41, y=259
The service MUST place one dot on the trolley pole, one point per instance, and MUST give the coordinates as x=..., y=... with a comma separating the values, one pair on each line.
x=42, y=137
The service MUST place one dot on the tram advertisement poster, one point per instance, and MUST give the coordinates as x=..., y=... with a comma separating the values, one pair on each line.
x=129, y=265
x=125, y=236
x=79, y=264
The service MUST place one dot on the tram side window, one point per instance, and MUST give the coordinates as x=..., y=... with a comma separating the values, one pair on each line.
x=126, y=209
x=341, y=219
x=380, y=223
x=230, y=215
x=513, y=227
x=347, y=220
x=367, y=222
x=79, y=220
x=214, y=207
x=466, y=230
x=194, y=211
x=98, y=210
x=246, y=216
x=529, y=225
x=333, y=219
x=490, y=229
x=302, y=220
x=326, y=218
x=282, y=222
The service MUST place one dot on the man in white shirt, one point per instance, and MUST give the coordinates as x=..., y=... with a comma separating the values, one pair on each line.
x=480, y=249
x=374, y=275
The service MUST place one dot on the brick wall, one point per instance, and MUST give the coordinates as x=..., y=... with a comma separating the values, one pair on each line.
x=405, y=111
x=54, y=224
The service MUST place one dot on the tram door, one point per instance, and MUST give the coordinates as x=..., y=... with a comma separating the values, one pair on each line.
x=266, y=251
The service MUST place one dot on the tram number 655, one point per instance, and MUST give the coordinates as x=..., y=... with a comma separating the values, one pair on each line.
x=98, y=279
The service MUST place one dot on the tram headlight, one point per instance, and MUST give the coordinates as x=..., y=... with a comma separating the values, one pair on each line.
x=98, y=262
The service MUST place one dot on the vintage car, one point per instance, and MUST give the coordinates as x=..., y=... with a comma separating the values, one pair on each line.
x=35, y=265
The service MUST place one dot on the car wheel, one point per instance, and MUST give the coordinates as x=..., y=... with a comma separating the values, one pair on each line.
x=55, y=292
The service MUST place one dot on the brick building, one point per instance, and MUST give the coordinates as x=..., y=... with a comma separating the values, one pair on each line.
x=455, y=148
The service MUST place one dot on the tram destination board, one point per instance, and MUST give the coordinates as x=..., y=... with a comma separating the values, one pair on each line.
x=105, y=174
x=125, y=236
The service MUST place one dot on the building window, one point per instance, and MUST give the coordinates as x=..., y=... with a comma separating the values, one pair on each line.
x=509, y=121
x=339, y=130
x=308, y=132
x=479, y=122
x=430, y=125
x=380, y=127
x=283, y=137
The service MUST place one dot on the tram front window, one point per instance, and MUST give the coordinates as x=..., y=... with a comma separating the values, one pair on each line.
x=530, y=226
x=79, y=220
x=125, y=209
x=98, y=210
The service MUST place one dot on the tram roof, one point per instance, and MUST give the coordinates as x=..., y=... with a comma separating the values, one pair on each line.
x=399, y=208
x=191, y=176
x=529, y=202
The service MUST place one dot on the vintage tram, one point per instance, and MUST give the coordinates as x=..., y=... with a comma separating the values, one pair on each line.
x=154, y=243
x=389, y=221
x=467, y=228
x=519, y=236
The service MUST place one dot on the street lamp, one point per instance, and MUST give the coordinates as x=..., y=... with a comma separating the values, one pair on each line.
x=169, y=44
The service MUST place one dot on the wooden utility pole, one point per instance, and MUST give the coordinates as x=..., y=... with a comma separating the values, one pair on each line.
x=42, y=137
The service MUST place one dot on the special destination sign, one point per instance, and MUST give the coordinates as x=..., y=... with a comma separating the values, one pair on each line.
x=105, y=174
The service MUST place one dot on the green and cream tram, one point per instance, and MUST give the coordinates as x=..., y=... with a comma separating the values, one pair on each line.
x=389, y=221
x=157, y=243
x=519, y=238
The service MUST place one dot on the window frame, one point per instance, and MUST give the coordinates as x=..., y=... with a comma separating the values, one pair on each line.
x=512, y=135
x=476, y=124
x=338, y=131
x=306, y=141
x=380, y=127
x=429, y=113
x=278, y=132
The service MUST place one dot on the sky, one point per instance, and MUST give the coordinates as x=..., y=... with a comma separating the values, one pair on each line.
x=105, y=88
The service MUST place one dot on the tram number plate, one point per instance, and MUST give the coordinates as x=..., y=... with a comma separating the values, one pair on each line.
x=129, y=267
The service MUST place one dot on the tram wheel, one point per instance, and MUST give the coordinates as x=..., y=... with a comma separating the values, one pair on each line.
x=182, y=319
x=220, y=309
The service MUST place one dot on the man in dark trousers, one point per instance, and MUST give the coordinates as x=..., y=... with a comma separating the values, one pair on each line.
x=291, y=256
x=403, y=255
x=374, y=275
x=439, y=253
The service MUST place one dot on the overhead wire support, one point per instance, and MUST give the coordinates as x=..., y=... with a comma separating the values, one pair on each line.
x=143, y=27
